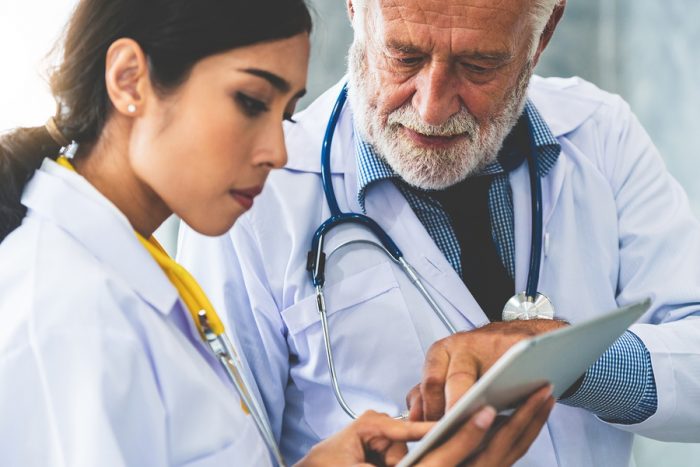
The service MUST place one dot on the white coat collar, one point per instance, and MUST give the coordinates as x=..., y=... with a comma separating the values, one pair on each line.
x=304, y=138
x=67, y=200
x=562, y=110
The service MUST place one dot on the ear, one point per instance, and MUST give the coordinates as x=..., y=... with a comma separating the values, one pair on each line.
x=126, y=76
x=548, y=31
x=351, y=9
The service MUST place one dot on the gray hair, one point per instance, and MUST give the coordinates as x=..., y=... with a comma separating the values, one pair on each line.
x=540, y=12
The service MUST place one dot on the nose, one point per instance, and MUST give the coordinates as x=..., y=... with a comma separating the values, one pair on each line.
x=436, y=97
x=273, y=150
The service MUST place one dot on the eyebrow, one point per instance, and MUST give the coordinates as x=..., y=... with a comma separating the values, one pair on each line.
x=488, y=56
x=403, y=48
x=276, y=81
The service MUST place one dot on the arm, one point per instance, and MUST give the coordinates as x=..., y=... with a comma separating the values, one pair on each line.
x=619, y=387
x=81, y=399
x=659, y=257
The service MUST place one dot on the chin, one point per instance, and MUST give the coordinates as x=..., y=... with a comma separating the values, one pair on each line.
x=211, y=228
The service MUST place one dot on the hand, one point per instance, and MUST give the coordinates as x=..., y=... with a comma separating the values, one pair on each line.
x=511, y=440
x=377, y=439
x=503, y=445
x=453, y=364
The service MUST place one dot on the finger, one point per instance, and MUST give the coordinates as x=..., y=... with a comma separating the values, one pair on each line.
x=432, y=387
x=416, y=411
x=461, y=445
x=383, y=439
x=373, y=425
x=395, y=453
x=462, y=373
x=507, y=436
x=414, y=402
x=398, y=430
x=531, y=431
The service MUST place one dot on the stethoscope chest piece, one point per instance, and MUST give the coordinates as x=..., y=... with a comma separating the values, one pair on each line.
x=521, y=306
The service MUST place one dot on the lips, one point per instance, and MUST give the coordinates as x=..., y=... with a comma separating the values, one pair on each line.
x=245, y=197
x=432, y=141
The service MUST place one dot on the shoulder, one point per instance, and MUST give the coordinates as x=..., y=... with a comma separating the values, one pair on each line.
x=572, y=104
x=310, y=123
x=305, y=137
x=55, y=286
x=598, y=132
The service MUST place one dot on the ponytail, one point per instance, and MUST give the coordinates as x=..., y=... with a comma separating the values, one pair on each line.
x=21, y=153
x=174, y=34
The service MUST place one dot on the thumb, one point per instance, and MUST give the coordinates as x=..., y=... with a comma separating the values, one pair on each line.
x=414, y=402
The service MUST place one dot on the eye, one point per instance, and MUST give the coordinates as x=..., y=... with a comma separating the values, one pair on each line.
x=409, y=61
x=290, y=109
x=476, y=68
x=251, y=106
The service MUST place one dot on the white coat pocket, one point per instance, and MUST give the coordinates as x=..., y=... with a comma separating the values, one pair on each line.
x=377, y=354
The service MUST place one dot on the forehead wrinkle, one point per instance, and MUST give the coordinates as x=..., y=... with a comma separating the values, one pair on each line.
x=436, y=14
x=453, y=19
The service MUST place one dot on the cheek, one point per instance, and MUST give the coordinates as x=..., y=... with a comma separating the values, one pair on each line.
x=490, y=98
x=480, y=101
x=197, y=188
x=391, y=94
x=191, y=162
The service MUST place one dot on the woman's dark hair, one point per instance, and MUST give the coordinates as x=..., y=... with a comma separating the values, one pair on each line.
x=174, y=35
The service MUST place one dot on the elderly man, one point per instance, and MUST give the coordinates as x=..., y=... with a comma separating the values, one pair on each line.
x=444, y=141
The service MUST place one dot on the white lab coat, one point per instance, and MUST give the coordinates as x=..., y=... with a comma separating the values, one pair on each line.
x=99, y=364
x=617, y=228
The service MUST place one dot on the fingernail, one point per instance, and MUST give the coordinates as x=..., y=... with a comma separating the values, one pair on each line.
x=484, y=418
x=548, y=392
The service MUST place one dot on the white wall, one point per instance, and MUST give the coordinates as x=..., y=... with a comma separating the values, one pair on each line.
x=28, y=29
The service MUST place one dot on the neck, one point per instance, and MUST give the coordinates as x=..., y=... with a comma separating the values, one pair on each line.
x=106, y=165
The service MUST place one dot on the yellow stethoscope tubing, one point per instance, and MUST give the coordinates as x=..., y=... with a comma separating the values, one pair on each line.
x=211, y=330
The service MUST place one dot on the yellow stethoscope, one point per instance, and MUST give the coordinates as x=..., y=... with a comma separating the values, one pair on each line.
x=211, y=329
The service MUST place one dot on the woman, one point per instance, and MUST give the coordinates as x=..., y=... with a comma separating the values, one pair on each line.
x=108, y=350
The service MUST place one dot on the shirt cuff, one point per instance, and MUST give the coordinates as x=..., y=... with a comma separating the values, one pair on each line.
x=619, y=387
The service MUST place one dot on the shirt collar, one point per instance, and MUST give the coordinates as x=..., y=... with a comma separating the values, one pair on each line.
x=67, y=200
x=371, y=168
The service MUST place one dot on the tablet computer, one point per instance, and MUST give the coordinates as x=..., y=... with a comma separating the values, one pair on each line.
x=559, y=357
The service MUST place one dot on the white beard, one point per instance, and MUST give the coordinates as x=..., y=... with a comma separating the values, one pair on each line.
x=429, y=168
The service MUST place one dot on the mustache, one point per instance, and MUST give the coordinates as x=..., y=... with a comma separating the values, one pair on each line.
x=461, y=123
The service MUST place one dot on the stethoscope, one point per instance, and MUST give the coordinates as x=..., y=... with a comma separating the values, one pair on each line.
x=525, y=305
x=210, y=326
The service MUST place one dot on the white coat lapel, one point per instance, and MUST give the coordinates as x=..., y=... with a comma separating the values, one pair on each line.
x=389, y=209
x=522, y=223
x=392, y=211
x=522, y=214
x=551, y=188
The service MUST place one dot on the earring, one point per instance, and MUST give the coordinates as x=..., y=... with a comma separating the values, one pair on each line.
x=131, y=108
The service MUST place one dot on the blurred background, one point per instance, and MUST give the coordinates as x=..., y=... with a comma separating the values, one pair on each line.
x=644, y=50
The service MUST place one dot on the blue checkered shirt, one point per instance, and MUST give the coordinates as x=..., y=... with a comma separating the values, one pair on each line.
x=620, y=386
